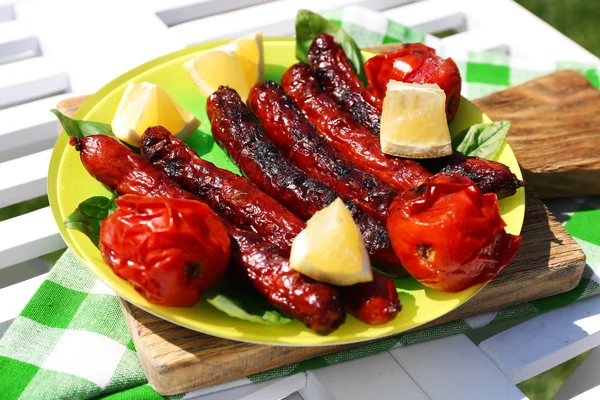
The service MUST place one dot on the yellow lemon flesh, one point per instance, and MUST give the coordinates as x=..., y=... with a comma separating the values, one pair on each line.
x=331, y=248
x=413, y=121
x=145, y=104
x=238, y=64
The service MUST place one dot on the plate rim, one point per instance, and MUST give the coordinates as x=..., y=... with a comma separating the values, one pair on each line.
x=88, y=105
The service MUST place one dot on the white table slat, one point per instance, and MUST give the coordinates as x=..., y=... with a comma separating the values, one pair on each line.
x=31, y=79
x=426, y=18
x=29, y=127
x=474, y=41
x=272, y=18
x=592, y=394
x=24, y=178
x=244, y=390
x=546, y=341
x=17, y=41
x=454, y=368
x=377, y=376
x=14, y=298
x=178, y=11
x=533, y=39
x=584, y=378
x=97, y=56
x=280, y=389
x=28, y=236
x=6, y=10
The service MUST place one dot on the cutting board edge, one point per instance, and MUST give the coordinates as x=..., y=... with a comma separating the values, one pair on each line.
x=170, y=378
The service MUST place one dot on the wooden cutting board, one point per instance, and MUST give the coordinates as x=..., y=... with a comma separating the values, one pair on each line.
x=549, y=261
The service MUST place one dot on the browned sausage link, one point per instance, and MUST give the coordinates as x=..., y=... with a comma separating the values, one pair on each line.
x=300, y=142
x=123, y=171
x=375, y=302
x=366, y=115
x=317, y=305
x=340, y=82
x=261, y=263
x=489, y=176
x=237, y=132
x=335, y=73
x=238, y=199
x=354, y=141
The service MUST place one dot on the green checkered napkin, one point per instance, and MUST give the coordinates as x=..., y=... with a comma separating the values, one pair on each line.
x=71, y=340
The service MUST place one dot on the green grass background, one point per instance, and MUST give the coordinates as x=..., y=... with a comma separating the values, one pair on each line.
x=577, y=19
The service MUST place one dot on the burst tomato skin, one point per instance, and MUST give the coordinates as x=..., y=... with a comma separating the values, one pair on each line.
x=416, y=63
x=170, y=250
x=448, y=235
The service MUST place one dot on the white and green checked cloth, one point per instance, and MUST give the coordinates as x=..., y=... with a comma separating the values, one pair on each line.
x=71, y=340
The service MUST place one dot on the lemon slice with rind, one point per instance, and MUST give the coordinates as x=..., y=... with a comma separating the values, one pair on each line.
x=144, y=105
x=239, y=65
x=413, y=121
x=331, y=248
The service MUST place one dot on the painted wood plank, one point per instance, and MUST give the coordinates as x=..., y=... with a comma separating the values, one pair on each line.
x=545, y=341
x=30, y=79
x=531, y=37
x=239, y=392
x=454, y=368
x=28, y=128
x=377, y=376
x=474, y=41
x=585, y=378
x=592, y=394
x=179, y=11
x=28, y=236
x=13, y=298
x=24, y=178
x=6, y=10
x=273, y=18
x=136, y=35
x=17, y=42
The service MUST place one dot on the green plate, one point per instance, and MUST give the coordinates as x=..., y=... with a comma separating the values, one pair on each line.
x=69, y=184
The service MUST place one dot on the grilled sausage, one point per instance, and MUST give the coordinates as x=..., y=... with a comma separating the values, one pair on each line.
x=353, y=140
x=339, y=81
x=238, y=199
x=180, y=163
x=300, y=142
x=317, y=305
x=238, y=133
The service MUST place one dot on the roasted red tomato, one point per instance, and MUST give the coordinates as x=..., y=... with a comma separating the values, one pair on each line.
x=415, y=62
x=448, y=235
x=170, y=250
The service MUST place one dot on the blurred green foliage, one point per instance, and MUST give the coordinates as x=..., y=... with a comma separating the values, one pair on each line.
x=577, y=19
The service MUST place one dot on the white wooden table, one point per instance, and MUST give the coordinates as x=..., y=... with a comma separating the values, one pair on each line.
x=52, y=49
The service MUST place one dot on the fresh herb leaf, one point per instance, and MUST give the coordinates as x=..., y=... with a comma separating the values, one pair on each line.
x=81, y=129
x=88, y=216
x=237, y=304
x=309, y=25
x=482, y=140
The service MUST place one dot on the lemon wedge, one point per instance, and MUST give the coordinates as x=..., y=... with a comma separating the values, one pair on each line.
x=331, y=248
x=413, y=121
x=238, y=64
x=145, y=104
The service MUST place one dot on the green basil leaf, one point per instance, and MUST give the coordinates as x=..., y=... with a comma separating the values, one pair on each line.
x=81, y=129
x=482, y=140
x=237, y=304
x=309, y=25
x=88, y=216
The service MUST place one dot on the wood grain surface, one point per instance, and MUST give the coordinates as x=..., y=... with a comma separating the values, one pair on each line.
x=549, y=261
x=554, y=132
